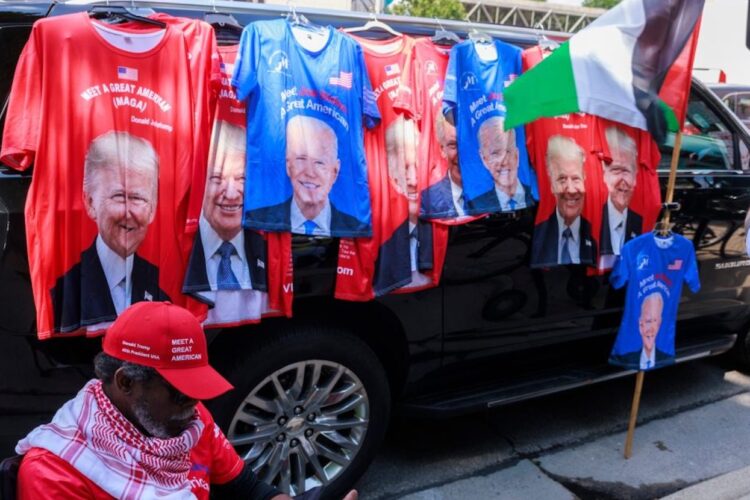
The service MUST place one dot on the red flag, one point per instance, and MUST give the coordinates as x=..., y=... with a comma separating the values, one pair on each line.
x=676, y=88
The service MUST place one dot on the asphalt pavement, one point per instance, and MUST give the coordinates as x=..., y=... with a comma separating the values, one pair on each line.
x=692, y=442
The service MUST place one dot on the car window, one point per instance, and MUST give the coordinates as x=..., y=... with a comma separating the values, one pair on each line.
x=729, y=101
x=742, y=106
x=12, y=40
x=707, y=141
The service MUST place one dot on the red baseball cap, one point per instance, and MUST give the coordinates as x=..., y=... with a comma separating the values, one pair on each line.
x=171, y=340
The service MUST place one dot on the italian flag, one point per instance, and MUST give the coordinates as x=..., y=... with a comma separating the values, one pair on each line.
x=613, y=68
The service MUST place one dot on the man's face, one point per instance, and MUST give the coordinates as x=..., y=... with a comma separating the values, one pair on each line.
x=649, y=323
x=568, y=188
x=222, y=203
x=620, y=178
x=449, y=150
x=161, y=410
x=500, y=158
x=312, y=166
x=402, y=168
x=122, y=204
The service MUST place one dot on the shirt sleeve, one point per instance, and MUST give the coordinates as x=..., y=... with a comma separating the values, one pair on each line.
x=43, y=475
x=691, y=271
x=245, y=76
x=23, y=121
x=621, y=270
x=226, y=464
x=450, y=97
x=370, y=111
x=407, y=100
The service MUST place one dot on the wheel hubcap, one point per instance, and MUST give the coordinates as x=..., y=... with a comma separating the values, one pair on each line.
x=302, y=426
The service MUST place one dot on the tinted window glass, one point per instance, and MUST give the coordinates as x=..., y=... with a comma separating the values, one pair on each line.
x=12, y=40
x=707, y=142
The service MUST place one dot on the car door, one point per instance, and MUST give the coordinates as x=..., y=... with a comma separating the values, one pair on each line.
x=713, y=189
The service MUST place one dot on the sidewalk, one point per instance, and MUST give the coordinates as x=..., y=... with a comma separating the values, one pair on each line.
x=731, y=486
x=701, y=453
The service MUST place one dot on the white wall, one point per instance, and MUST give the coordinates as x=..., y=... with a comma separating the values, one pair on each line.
x=721, y=43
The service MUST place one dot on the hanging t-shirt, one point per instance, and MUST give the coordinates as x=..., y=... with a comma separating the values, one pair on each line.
x=570, y=185
x=107, y=208
x=440, y=188
x=401, y=249
x=494, y=165
x=654, y=268
x=229, y=267
x=629, y=159
x=308, y=96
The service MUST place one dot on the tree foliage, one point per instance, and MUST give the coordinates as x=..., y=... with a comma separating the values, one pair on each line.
x=601, y=4
x=442, y=9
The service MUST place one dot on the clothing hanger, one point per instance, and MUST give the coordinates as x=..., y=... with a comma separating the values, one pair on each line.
x=443, y=36
x=373, y=24
x=114, y=14
x=543, y=42
x=300, y=21
x=226, y=27
x=662, y=229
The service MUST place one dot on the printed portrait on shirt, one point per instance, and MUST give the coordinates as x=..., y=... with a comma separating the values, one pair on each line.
x=313, y=167
x=227, y=267
x=498, y=152
x=620, y=222
x=565, y=236
x=401, y=142
x=445, y=198
x=644, y=349
x=120, y=191
x=633, y=199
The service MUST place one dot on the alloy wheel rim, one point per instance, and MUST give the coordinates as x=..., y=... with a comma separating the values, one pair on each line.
x=302, y=426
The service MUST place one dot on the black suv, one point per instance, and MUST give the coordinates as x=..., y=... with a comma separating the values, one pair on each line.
x=314, y=394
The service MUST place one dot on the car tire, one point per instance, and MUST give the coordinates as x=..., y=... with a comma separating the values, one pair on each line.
x=310, y=406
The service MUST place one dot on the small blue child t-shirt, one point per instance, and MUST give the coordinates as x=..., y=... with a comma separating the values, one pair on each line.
x=494, y=164
x=306, y=107
x=654, y=267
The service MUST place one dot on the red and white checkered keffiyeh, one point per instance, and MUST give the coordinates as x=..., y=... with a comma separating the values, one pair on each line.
x=91, y=434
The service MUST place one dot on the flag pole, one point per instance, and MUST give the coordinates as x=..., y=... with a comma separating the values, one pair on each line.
x=672, y=181
x=664, y=231
x=634, y=413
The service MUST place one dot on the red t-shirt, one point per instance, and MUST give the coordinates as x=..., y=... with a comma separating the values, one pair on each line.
x=645, y=201
x=581, y=129
x=421, y=98
x=261, y=262
x=78, y=93
x=404, y=253
x=44, y=475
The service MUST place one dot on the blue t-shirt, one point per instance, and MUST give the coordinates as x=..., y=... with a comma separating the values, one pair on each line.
x=311, y=104
x=654, y=268
x=474, y=95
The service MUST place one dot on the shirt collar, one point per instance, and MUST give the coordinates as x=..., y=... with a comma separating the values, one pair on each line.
x=645, y=358
x=574, y=228
x=457, y=193
x=212, y=242
x=519, y=196
x=115, y=267
x=615, y=217
x=322, y=220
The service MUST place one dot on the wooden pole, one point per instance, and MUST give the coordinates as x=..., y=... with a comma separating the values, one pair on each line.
x=672, y=180
x=669, y=198
x=634, y=413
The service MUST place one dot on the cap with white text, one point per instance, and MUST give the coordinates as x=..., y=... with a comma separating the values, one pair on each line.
x=171, y=340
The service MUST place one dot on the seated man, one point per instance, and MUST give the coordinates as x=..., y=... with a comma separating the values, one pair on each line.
x=138, y=430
